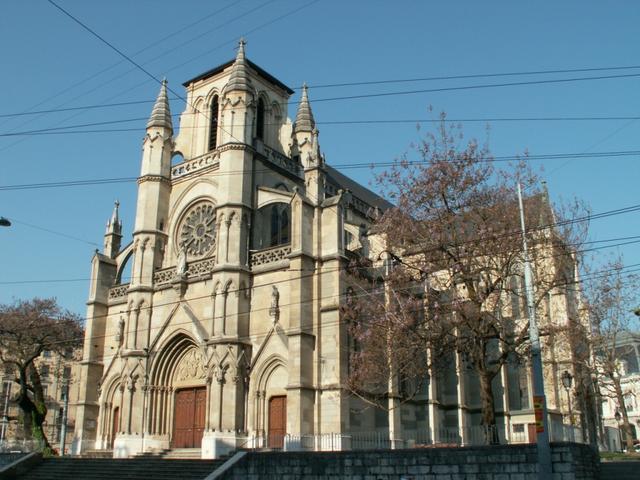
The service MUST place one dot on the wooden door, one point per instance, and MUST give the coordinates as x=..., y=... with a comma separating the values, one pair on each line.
x=199, y=415
x=115, y=424
x=531, y=427
x=189, y=416
x=277, y=421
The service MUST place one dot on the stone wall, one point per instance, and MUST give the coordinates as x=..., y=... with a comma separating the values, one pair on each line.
x=517, y=462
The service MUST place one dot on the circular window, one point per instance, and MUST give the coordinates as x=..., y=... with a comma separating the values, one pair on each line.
x=198, y=229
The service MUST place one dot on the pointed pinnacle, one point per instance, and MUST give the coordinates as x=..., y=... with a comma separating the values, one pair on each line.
x=304, y=117
x=114, y=225
x=239, y=78
x=161, y=114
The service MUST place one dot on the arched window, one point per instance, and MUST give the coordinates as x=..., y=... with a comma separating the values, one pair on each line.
x=273, y=226
x=260, y=120
x=213, y=129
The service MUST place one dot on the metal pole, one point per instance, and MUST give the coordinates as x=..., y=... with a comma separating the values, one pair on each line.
x=5, y=416
x=568, y=390
x=542, y=432
x=63, y=426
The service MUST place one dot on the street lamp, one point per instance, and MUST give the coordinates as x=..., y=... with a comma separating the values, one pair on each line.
x=5, y=222
x=567, y=380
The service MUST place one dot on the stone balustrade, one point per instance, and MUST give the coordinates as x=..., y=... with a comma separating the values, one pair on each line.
x=283, y=161
x=209, y=159
x=118, y=291
x=269, y=255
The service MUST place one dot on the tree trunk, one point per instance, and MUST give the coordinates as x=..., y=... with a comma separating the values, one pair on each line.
x=34, y=412
x=623, y=410
x=488, y=407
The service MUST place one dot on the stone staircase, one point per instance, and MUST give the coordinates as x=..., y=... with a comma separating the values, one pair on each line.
x=140, y=468
x=173, y=453
x=623, y=470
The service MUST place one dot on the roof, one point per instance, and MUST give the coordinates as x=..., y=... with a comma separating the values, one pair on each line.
x=356, y=189
x=261, y=72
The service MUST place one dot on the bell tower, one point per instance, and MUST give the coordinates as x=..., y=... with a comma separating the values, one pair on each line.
x=154, y=188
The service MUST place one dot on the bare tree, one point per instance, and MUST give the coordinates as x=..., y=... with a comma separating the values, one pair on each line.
x=611, y=300
x=456, y=226
x=27, y=329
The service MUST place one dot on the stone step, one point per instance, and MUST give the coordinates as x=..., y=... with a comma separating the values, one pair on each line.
x=623, y=470
x=97, y=454
x=76, y=468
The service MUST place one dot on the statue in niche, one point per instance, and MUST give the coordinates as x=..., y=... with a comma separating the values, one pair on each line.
x=181, y=267
x=274, y=310
x=120, y=332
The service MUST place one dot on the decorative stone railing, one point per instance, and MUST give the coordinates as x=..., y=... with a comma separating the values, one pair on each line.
x=164, y=276
x=203, y=161
x=283, y=161
x=270, y=255
x=194, y=269
x=201, y=267
x=118, y=291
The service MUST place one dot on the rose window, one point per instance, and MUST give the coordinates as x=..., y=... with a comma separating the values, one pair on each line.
x=198, y=230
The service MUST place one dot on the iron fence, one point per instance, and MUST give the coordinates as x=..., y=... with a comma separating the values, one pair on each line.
x=425, y=438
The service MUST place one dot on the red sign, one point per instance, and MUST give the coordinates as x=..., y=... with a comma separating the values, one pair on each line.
x=538, y=408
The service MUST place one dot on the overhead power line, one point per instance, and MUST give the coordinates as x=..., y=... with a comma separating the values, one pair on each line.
x=340, y=166
x=68, y=129
x=628, y=240
x=346, y=97
x=474, y=75
x=341, y=321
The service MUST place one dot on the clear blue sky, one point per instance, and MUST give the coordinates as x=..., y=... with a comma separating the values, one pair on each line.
x=49, y=62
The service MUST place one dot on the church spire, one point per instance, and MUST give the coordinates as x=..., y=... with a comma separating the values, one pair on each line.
x=113, y=235
x=304, y=116
x=239, y=78
x=114, y=225
x=161, y=114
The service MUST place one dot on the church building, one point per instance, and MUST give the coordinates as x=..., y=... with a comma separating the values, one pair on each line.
x=218, y=326
x=219, y=322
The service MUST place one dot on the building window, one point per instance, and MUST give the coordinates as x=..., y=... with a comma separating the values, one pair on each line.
x=260, y=120
x=273, y=225
x=213, y=126
x=630, y=402
x=46, y=353
x=44, y=371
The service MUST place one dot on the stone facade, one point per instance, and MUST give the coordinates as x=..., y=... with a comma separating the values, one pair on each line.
x=570, y=462
x=235, y=281
x=218, y=326
x=628, y=346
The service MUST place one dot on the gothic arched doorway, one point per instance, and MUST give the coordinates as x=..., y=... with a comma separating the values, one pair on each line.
x=179, y=397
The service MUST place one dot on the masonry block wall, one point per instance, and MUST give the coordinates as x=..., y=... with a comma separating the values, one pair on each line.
x=509, y=462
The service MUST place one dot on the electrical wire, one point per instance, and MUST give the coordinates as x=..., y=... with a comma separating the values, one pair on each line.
x=63, y=129
x=340, y=166
x=259, y=335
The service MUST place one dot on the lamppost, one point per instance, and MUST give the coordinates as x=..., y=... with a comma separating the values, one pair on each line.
x=618, y=417
x=567, y=380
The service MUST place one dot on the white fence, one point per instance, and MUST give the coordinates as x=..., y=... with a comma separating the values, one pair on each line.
x=382, y=440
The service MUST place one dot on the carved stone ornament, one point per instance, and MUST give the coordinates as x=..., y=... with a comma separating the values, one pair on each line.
x=274, y=309
x=191, y=366
x=120, y=332
x=197, y=233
